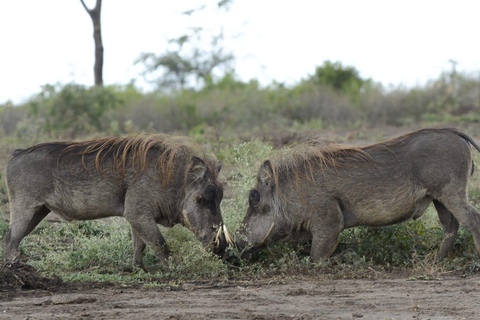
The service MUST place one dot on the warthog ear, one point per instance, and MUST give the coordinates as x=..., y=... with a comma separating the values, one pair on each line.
x=198, y=169
x=265, y=174
x=219, y=166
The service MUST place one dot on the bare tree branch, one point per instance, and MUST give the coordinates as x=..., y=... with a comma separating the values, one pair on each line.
x=97, y=36
x=83, y=3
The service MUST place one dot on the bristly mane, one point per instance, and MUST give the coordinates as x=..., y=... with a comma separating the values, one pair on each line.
x=135, y=151
x=317, y=154
x=300, y=162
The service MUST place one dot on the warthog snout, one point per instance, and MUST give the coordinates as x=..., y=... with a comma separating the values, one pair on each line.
x=222, y=240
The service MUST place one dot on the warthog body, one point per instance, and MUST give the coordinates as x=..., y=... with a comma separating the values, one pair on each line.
x=315, y=190
x=146, y=179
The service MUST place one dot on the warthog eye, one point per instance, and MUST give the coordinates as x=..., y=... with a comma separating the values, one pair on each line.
x=210, y=192
x=254, y=197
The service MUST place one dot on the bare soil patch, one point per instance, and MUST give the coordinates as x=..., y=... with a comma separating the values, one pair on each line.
x=22, y=276
x=452, y=297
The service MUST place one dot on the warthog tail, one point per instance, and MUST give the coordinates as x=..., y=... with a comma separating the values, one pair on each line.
x=16, y=152
x=470, y=140
x=473, y=143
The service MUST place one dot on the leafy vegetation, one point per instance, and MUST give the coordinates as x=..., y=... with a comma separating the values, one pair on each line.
x=240, y=121
x=334, y=96
x=72, y=108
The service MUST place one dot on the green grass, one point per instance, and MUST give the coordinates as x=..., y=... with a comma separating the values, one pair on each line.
x=102, y=250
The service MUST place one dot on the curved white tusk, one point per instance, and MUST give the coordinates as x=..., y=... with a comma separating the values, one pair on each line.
x=228, y=237
x=271, y=227
x=217, y=237
x=186, y=221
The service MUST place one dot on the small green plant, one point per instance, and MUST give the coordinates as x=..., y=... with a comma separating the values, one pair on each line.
x=394, y=245
x=247, y=158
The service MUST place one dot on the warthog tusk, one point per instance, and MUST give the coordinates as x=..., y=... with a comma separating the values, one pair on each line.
x=186, y=221
x=217, y=237
x=228, y=237
x=271, y=227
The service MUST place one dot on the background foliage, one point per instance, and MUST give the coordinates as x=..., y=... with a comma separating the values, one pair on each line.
x=334, y=95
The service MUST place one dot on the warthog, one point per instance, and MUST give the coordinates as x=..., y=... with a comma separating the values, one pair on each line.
x=315, y=190
x=147, y=179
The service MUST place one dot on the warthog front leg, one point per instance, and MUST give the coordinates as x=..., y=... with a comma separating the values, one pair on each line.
x=326, y=229
x=145, y=231
x=138, y=248
x=451, y=225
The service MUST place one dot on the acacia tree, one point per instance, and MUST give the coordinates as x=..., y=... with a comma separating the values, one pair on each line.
x=187, y=63
x=191, y=59
x=97, y=36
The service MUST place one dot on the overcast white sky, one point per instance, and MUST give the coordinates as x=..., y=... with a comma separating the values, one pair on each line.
x=393, y=42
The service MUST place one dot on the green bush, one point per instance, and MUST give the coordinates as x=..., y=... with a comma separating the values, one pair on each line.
x=73, y=108
x=393, y=245
x=334, y=95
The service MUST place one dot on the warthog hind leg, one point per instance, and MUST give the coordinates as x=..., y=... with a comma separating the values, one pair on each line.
x=459, y=207
x=23, y=220
x=451, y=225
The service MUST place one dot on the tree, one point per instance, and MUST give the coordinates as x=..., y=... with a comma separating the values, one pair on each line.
x=344, y=80
x=188, y=62
x=337, y=76
x=97, y=36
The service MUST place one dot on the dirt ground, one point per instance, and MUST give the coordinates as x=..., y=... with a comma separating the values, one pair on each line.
x=26, y=295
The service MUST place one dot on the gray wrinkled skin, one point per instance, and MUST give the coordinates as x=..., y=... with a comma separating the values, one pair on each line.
x=39, y=181
x=376, y=185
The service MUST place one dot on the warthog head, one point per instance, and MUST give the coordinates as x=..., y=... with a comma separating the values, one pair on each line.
x=201, y=212
x=264, y=220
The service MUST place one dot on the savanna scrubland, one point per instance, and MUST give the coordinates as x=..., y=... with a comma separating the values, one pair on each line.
x=242, y=123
